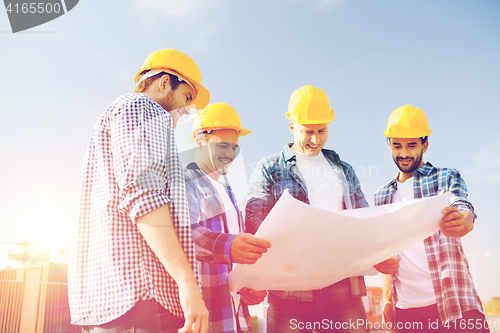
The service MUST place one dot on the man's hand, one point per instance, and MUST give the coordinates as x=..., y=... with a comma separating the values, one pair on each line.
x=194, y=309
x=247, y=249
x=388, y=316
x=389, y=266
x=252, y=297
x=455, y=223
x=157, y=229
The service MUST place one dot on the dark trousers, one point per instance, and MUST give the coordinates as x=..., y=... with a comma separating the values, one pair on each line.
x=426, y=319
x=335, y=310
x=145, y=317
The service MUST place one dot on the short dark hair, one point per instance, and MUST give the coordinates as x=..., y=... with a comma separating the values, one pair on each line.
x=424, y=139
x=144, y=85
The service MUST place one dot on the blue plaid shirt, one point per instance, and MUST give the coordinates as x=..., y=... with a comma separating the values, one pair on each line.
x=278, y=172
x=453, y=285
x=212, y=246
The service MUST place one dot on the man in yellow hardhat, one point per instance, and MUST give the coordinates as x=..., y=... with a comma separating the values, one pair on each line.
x=433, y=287
x=217, y=223
x=316, y=176
x=133, y=267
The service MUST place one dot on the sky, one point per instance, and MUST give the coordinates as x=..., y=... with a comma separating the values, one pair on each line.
x=370, y=57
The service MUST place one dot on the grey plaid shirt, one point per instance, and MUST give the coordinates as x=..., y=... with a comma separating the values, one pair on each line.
x=131, y=168
x=278, y=172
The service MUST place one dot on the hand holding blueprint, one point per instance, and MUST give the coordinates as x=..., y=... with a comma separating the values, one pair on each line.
x=313, y=248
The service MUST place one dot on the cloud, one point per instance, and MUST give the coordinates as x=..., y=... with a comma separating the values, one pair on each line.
x=196, y=19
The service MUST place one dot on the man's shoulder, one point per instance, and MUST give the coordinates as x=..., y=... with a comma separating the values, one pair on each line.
x=131, y=101
x=192, y=173
x=335, y=157
x=384, y=188
x=271, y=160
x=430, y=170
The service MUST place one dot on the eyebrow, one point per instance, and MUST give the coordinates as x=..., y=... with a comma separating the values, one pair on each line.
x=228, y=143
x=400, y=144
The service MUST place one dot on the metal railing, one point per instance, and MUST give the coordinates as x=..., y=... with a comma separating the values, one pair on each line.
x=34, y=299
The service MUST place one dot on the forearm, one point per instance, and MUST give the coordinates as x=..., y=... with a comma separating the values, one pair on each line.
x=386, y=289
x=255, y=212
x=211, y=247
x=158, y=230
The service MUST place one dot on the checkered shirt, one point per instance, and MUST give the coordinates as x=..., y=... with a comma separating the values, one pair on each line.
x=451, y=278
x=212, y=244
x=131, y=168
x=279, y=172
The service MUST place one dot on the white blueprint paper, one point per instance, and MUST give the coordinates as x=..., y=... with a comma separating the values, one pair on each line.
x=313, y=248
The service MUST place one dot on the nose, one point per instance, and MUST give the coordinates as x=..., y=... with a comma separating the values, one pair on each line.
x=404, y=153
x=229, y=152
x=315, y=139
x=187, y=110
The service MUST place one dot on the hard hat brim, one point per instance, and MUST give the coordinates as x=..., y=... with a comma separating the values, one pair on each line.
x=396, y=134
x=241, y=130
x=203, y=96
x=312, y=121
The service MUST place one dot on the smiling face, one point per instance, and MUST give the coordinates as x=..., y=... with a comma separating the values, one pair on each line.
x=407, y=153
x=309, y=139
x=216, y=151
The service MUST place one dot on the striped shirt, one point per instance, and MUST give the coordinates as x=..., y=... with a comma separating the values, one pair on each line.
x=451, y=278
x=131, y=168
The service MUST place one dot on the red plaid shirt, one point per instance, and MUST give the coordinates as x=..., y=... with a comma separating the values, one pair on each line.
x=453, y=285
x=131, y=168
x=213, y=244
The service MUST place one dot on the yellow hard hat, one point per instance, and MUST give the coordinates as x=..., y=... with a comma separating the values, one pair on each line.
x=217, y=116
x=407, y=122
x=179, y=64
x=309, y=105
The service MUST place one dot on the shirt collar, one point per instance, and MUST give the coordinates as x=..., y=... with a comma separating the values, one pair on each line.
x=289, y=153
x=193, y=166
x=424, y=170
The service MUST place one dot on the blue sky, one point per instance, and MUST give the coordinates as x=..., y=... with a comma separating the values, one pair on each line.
x=370, y=57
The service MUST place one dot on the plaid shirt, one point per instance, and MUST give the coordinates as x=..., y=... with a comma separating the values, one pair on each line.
x=131, y=168
x=212, y=244
x=453, y=285
x=278, y=172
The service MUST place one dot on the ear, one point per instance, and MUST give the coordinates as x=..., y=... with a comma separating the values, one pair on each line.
x=164, y=83
x=424, y=146
x=198, y=142
x=291, y=126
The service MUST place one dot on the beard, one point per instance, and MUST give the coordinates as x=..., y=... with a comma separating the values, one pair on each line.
x=412, y=166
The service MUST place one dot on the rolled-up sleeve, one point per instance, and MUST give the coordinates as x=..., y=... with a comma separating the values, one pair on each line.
x=139, y=133
x=459, y=192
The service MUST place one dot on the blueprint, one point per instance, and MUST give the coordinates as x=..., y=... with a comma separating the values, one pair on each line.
x=314, y=248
